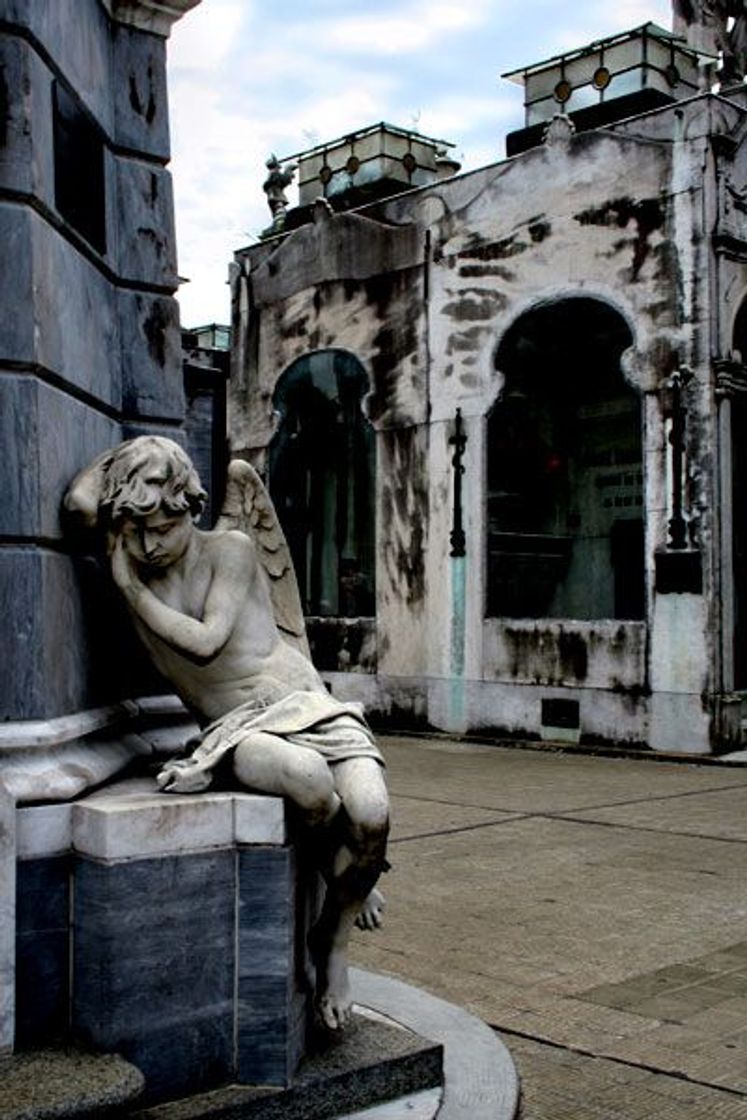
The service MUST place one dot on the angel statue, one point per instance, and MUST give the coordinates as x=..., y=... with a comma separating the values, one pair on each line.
x=220, y=616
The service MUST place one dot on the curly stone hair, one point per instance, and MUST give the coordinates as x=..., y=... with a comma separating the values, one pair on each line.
x=147, y=474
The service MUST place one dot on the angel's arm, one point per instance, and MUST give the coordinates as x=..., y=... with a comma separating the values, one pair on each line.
x=200, y=639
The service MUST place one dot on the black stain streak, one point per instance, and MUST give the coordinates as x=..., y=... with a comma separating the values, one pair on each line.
x=647, y=216
x=4, y=108
x=539, y=231
x=494, y=250
x=475, y=304
x=155, y=239
x=476, y=271
x=468, y=341
x=548, y=657
x=574, y=657
x=405, y=512
x=148, y=112
x=295, y=329
x=154, y=329
x=135, y=102
x=397, y=303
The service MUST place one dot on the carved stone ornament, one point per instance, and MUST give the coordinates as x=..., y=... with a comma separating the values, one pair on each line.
x=156, y=16
x=560, y=131
x=322, y=210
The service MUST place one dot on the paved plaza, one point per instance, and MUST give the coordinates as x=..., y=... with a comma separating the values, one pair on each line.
x=592, y=909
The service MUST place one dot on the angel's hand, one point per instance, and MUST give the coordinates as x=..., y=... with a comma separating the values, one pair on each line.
x=182, y=775
x=167, y=776
x=124, y=572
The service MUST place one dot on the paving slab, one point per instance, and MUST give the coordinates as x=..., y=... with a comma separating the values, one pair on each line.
x=578, y=1087
x=412, y=817
x=609, y=917
x=719, y=814
x=516, y=780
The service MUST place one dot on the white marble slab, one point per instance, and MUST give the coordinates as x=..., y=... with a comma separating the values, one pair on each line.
x=139, y=826
x=133, y=820
x=259, y=819
x=43, y=830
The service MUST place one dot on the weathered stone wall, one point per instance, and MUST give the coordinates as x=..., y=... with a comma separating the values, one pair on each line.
x=89, y=340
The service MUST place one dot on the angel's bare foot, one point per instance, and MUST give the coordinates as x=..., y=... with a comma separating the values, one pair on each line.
x=334, y=1002
x=333, y=998
x=372, y=911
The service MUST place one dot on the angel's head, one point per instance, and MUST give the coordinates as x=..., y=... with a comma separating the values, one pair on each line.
x=147, y=490
x=148, y=475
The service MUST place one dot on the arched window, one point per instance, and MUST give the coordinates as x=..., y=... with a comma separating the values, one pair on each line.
x=564, y=470
x=322, y=471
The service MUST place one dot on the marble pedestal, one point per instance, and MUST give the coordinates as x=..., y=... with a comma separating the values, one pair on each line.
x=183, y=921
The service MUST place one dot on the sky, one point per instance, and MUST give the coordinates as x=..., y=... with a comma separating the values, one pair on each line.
x=248, y=78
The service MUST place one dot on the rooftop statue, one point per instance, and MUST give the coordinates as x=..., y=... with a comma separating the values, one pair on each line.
x=716, y=27
x=274, y=187
x=220, y=616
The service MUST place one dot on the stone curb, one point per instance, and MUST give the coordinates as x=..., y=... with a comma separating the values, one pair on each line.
x=480, y=1079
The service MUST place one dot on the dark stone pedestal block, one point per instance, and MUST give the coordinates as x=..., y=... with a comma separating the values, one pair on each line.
x=273, y=988
x=42, y=950
x=153, y=966
x=189, y=926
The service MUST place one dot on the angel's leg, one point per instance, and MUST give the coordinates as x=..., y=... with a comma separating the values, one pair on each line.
x=270, y=764
x=355, y=868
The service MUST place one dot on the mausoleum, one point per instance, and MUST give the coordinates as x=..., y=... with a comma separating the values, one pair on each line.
x=501, y=412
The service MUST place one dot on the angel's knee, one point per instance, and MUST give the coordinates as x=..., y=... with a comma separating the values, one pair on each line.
x=308, y=782
x=370, y=828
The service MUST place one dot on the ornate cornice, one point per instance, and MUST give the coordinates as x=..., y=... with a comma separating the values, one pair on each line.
x=156, y=16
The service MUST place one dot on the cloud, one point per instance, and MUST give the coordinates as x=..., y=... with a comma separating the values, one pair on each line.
x=203, y=40
x=245, y=81
x=453, y=118
x=415, y=29
x=587, y=23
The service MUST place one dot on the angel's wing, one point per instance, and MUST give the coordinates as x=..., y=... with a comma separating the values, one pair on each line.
x=248, y=507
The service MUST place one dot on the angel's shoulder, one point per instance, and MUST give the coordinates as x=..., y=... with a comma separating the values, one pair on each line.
x=229, y=544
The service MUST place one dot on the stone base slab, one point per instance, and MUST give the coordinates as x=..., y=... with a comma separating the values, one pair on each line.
x=66, y=1083
x=373, y=1061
